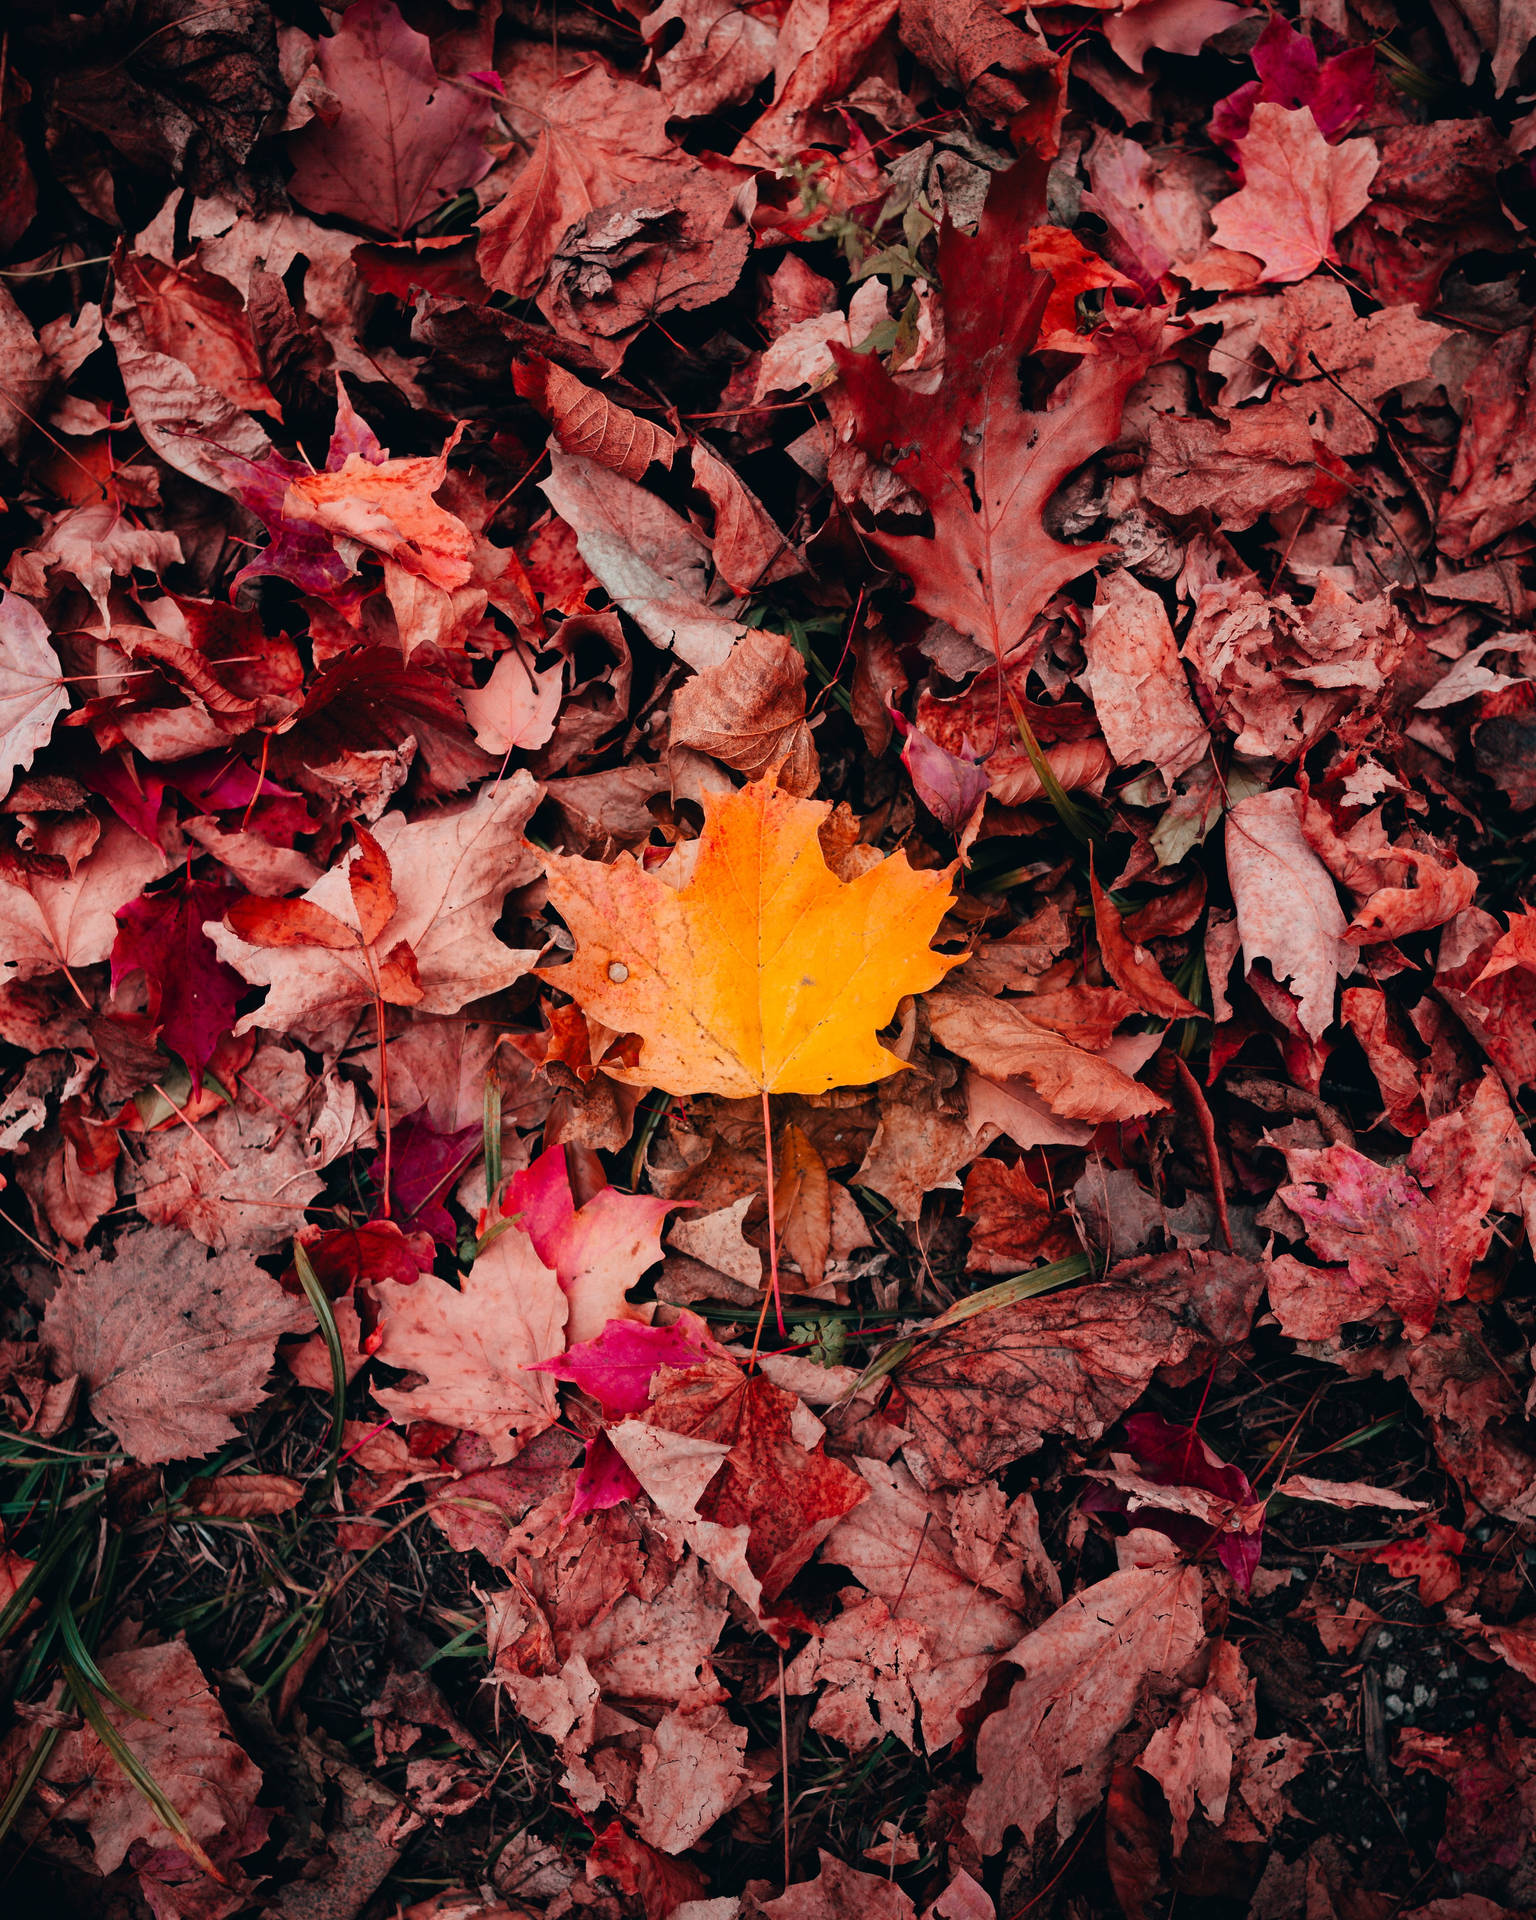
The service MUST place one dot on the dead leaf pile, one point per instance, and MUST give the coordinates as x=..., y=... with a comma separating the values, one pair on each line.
x=768, y=960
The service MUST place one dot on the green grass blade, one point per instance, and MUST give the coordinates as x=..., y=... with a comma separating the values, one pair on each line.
x=320, y=1302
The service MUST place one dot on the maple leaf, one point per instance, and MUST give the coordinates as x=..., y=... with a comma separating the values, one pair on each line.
x=243, y=1177
x=32, y=692
x=983, y=465
x=647, y=558
x=1013, y=1222
x=691, y=1772
x=518, y=706
x=765, y=973
x=1192, y=1756
x=772, y=1475
x=903, y=1545
x=1048, y=1750
x=598, y=1250
x=449, y=873
x=1338, y=89
x=49, y=921
x=596, y=135
x=1208, y=1503
x=1408, y=1236
x=838, y=1891
x=474, y=1345
x=400, y=138
x=191, y=993
x=169, y=1342
x=1494, y=470
x=423, y=1166
x=165, y=1713
x=1297, y=192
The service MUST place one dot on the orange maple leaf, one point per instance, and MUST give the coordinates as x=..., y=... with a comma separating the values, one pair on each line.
x=765, y=973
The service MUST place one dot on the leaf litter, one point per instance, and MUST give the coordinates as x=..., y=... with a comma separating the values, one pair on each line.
x=765, y=966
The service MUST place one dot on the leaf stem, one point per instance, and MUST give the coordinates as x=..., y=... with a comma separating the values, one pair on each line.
x=773, y=1240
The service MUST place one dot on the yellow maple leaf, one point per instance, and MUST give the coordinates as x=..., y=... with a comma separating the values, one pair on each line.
x=765, y=973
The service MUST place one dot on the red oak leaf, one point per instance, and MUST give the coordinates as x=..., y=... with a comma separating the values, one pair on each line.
x=982, y=464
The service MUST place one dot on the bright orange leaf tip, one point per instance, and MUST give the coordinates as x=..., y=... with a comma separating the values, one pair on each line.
x=765, y=973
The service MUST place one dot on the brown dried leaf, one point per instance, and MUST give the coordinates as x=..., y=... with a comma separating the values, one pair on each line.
x=170, y=1342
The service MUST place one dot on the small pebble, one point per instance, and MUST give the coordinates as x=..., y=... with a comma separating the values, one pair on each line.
x=1383, y=1639
x=1423, y=1696
x=1392, y=1706
x=1396, y=1676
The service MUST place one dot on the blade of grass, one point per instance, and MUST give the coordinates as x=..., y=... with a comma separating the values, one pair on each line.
x=1007, y=1293
x=320, y=1302
x=492, y=1126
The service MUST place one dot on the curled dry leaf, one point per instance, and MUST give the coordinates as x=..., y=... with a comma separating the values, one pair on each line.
x=587, y=422
x=749, y=712
x=1287, y=910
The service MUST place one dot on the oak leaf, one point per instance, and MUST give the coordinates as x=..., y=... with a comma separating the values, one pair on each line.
x=169, y=1342
x=1296, y=194
x=765, y=973
x=451, y=873
x=982, y=464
